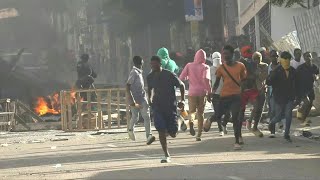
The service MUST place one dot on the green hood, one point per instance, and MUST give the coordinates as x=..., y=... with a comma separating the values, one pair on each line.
x=166, y=62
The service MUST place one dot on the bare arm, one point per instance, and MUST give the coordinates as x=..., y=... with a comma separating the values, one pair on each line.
x=216, y=84
x=208, y=83
x=182, y=91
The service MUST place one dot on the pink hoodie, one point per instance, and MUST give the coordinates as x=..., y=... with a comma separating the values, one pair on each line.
x=198, y=74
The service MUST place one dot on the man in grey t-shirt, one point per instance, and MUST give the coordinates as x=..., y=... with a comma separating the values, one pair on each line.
x=138, y=100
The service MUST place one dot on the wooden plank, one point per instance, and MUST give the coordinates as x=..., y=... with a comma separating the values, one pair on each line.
x=127, y=111
x=100, y=121
x=109, y=108
x=13, y=117
x=79, y=111
x=61, y=109
x=89, y=109
x=82, y=130
x=64, y=110
x=21, y=121
x=69, y=111
x=97, y=90
x=102, y=103
x=24, y=107
x=118, y=107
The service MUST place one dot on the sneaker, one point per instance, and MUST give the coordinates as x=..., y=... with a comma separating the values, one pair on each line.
x=183, y=126
x=207, y=125
x=257, y=132
x=237, y=147
x=192, y=131
x=221, y=133
x=150, y=139
x=165, y=160
x=272, y=136
x=131, y=135
x=198, y=138
x=288, y=139
x=173, y=135
x=249, y=125
x=241, y=142
x=225, y=129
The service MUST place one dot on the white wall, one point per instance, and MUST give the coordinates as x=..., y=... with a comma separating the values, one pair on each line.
x=282, y=21
x=244, y=4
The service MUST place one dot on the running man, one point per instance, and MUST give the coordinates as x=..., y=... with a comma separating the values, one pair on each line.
x=198, y=74
x=307, y=73
x=254, y=91
x=138, y=100
x=284, y=86
x=163, y=102
x=215, y=98
x=232, y=73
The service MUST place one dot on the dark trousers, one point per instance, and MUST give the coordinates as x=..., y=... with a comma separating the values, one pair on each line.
x=224, y=121
x=227, y=104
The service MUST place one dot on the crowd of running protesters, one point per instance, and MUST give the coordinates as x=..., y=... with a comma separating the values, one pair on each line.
x=229, y=81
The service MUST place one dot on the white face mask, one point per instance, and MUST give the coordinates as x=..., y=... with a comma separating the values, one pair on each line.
x=216, y=62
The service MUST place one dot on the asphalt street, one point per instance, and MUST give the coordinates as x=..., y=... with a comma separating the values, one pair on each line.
x=114, y=156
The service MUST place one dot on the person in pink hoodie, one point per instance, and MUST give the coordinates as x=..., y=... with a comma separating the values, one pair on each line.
x=198, y=75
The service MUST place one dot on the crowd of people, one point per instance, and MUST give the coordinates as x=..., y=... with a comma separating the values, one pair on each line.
x=229, y=80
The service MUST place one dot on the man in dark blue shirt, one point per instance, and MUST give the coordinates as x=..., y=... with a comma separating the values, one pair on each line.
x=164, y=102
x=306, y=74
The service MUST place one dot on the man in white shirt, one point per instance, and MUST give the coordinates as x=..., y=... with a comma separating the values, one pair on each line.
x=297, y=59
x=216, y=62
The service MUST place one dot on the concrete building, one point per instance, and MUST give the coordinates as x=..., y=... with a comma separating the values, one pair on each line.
x=264, y=23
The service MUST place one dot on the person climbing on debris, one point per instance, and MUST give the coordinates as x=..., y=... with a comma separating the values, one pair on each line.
x=86, y=74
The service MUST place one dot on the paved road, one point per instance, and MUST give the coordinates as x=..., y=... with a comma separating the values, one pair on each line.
x=113, y=156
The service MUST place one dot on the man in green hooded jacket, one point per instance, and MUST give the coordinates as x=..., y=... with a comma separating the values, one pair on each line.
x=166, y=62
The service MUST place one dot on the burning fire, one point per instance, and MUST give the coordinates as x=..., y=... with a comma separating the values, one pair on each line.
x=51, y=104
x=42, y=106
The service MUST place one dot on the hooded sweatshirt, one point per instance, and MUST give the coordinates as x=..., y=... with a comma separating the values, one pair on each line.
x=216, y=63
x=198, y=74
x=166, y=62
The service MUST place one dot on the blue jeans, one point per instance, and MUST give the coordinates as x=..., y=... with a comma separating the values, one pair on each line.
x=145, y=113
x=279, y=110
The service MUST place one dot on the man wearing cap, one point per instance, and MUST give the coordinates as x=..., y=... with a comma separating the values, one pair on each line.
x=283, y=81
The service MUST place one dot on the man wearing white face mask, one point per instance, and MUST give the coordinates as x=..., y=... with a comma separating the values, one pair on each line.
x=216, y=62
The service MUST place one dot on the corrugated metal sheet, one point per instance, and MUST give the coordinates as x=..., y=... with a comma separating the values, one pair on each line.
x=308, y=28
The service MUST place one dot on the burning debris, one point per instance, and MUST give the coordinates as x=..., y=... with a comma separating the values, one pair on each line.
x=49, y=105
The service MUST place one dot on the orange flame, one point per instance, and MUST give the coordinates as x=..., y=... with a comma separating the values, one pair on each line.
x=42, y=107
